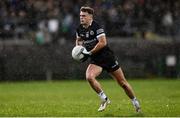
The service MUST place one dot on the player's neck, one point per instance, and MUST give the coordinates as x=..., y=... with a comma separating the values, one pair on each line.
x=88, y=24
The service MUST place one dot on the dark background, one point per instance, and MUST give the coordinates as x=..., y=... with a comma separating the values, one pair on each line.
x=37, y=36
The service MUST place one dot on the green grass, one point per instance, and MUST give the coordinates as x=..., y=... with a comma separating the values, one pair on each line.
x=158, y=97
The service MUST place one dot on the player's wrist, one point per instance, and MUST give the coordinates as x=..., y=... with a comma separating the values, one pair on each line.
x=90, y=53
x=85, y=52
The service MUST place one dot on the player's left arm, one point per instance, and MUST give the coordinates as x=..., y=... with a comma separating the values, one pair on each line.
x=101, y=44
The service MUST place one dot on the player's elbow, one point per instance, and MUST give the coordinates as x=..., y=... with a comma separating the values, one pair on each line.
x=103, y=42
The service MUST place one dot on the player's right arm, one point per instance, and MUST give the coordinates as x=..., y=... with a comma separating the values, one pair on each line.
x=79, y=41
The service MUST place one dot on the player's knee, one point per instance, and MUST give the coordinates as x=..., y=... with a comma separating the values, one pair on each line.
x=90, y=77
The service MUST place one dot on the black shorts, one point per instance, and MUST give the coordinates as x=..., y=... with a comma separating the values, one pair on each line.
x=105, y=59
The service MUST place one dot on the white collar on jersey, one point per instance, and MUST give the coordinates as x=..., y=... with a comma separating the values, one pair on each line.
x=91, y=23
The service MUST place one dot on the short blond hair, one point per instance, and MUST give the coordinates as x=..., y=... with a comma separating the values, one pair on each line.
x=87, y=9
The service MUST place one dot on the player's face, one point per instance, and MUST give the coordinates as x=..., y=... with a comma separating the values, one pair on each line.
x=85, y=18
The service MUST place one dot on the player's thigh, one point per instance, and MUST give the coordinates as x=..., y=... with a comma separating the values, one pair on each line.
x=118, y=75
x=93, y=71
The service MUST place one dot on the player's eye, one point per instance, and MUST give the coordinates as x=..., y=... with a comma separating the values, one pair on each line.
x=82, y=15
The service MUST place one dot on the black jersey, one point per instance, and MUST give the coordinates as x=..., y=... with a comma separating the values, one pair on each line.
x=90, y=35
x=104, y=57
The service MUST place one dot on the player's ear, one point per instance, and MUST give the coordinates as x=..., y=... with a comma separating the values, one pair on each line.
x=91, y=15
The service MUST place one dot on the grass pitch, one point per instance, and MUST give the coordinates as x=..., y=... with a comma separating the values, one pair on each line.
x=158, y=97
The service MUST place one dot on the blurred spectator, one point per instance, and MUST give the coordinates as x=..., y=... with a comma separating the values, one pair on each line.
x=21, y=18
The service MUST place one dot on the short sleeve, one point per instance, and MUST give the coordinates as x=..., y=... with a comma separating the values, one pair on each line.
x=99, y=32
x=77, y=35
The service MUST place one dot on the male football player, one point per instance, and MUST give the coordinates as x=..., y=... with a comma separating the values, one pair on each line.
x=93, y=38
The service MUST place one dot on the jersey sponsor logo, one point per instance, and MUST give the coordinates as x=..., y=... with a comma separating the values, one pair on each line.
x=89, y=41
x=87, y=34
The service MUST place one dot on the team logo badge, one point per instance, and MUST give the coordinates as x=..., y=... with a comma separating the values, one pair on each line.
x=91, y=32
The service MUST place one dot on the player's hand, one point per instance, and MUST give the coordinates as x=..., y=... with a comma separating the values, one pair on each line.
x=86, y=53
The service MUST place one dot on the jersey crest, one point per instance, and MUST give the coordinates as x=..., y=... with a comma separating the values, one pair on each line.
x=91, y=32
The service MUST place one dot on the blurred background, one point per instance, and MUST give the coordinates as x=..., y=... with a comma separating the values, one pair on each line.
x=37, y=36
